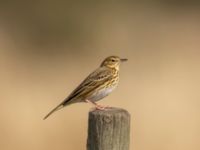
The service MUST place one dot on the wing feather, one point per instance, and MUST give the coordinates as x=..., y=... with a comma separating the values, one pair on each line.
x=92, y=82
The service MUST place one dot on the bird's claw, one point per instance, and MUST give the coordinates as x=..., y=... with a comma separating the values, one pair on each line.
x=101, y=107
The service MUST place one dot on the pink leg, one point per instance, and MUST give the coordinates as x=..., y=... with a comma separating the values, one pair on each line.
x=97, y=106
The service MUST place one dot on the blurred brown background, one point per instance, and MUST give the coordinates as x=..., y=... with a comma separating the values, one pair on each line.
x=48, y=47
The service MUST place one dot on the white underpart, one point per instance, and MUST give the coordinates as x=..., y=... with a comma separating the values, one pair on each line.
x=101, y=94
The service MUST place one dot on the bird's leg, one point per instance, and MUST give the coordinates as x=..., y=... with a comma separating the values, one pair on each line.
x=97, y=106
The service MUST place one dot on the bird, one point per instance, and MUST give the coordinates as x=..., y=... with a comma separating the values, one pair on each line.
x=97, y=85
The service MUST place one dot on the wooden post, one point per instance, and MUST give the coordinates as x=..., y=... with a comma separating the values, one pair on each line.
x=108, y=129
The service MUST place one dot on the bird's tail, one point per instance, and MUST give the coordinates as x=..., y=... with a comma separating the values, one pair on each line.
x=55, y=109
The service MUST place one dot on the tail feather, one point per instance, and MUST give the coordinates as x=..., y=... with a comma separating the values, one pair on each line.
x=52, y=111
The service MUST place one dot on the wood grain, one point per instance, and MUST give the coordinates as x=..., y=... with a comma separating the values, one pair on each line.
x=108, y=129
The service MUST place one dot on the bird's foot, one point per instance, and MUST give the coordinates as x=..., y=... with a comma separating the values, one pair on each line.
x=97, y=106
x=101, y=107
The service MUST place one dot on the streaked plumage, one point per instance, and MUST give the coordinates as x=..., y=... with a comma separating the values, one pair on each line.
x=96, y=86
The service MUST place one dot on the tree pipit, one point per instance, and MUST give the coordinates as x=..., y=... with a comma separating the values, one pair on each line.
x=96, y=86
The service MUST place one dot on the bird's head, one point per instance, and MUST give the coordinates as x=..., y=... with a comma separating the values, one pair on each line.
x=113, y=62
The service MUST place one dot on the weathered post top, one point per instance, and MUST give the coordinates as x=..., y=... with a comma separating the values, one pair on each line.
x=108, y=129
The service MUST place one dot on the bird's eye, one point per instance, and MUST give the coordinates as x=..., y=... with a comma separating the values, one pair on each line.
x=112, y=60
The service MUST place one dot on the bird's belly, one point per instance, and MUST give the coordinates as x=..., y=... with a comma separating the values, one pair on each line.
x=101, y=94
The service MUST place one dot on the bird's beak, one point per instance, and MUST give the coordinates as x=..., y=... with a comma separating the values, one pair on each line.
x=123, y=59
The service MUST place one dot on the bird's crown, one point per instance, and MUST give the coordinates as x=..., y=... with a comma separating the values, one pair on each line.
x=112, y=62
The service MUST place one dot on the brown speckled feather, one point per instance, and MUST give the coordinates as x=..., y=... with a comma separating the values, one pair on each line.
x=96, y=86
x=92, y=82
